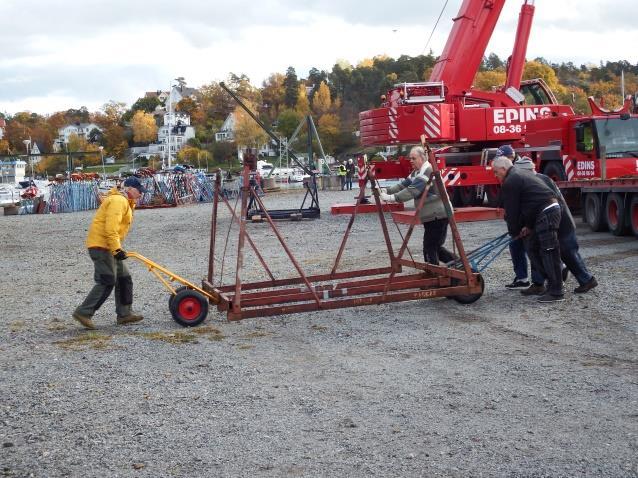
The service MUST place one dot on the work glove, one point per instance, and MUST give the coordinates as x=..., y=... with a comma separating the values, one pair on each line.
x=387, y=197
x=120, y=255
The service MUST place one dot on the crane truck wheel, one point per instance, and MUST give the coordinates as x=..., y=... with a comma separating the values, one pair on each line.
x=492, y=192
x=555, y=170
x=632, y=214
x=594, y=212
x=615, y=214
x=468, y=196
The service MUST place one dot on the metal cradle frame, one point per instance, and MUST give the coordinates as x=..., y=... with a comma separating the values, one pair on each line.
x=402, y=280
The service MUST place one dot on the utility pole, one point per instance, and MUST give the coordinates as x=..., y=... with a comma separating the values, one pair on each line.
x=169, y=121
x=27, y=143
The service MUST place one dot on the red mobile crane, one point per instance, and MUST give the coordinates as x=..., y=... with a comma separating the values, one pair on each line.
x=468, y=123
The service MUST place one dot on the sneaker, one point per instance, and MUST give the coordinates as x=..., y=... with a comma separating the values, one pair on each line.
x=518, y=284
x=534, y=289
x=587, y=286
x=84, y=320
x=564, y=273
x=129, y=319
x=548, y=298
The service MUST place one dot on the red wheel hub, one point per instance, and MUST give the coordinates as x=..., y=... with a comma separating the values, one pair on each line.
x=189, y=308
x=613, y=212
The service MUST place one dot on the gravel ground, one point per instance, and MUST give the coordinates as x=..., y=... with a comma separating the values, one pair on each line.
x=502, y=387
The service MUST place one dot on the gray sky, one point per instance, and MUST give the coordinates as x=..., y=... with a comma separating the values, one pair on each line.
x=65, y=54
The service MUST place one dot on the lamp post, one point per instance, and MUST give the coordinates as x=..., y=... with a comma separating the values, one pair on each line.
x=27, y=143
x=101, y=148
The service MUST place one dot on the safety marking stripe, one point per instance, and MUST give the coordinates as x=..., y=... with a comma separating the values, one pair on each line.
x=450, y=172
x=393, y=130
x=568, y=164
x=431, y=117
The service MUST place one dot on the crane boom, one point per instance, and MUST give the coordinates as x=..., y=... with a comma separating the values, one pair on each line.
x=466, y=44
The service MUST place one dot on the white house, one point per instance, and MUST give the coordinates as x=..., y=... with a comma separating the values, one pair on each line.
x=3, y=125
x=227, y=131
x=177, y=127
x=81, y=129
x=35, y=152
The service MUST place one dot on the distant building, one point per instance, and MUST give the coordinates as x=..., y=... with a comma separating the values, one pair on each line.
x=12, y=171
x=160, y=95
x=35, y=151
x=176, y=126
x=226, y=134
x=81, y=129
x=3, y=125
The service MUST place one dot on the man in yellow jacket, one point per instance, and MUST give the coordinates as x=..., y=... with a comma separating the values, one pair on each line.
x=104, y=242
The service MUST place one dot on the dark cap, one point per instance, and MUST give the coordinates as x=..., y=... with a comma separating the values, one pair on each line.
x=133, y=182
x=505, y=150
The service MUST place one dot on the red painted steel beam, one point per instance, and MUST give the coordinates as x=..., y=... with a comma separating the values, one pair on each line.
x=463, y=214
x=315, y=278
x=362, y=289
x=346, y=208
x=355, y=302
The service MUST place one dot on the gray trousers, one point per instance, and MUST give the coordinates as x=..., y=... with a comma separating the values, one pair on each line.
x=109, y=274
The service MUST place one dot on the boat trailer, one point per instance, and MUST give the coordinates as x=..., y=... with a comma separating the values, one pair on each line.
x=402, y=279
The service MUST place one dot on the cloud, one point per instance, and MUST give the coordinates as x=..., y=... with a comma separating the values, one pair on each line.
x=91, y=51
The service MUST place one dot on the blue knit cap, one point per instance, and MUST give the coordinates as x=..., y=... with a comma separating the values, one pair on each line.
x=505, y=150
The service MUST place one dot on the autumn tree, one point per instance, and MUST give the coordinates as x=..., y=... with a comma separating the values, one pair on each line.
x=78, y=144
x=114, y=134
x=144, y=127
x=247, y=132
x=51, y=165
x=537, y=69
x=287, y=122
x=189, y=154
x=487, y=79
x=273, y=95
x=303, y=105
x=315, y=78
x=147, y=104
x=322, y=103
x=328, y=129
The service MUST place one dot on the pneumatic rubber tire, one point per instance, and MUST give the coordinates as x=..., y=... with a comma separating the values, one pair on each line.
x=492, y=194
x=470, y=298
x=615, y=214
x=555, y=170
x=594, y=212
x=189, y=308
x=632, y=214
x=172, y=296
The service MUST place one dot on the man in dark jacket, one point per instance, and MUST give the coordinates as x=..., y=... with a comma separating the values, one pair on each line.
x=566, y=238
x=533, y=208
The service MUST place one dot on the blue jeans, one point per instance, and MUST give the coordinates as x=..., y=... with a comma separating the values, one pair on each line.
x=572, y=258
x=519, y=261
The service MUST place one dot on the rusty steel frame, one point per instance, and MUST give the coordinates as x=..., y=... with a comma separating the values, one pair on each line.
x=336, y=289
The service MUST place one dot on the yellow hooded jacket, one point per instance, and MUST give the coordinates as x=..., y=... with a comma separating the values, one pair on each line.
x=111, y=222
